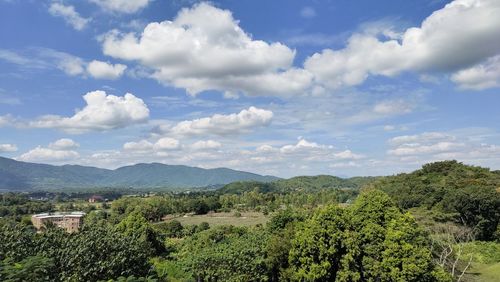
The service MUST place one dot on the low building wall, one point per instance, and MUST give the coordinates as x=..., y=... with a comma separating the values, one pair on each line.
x=71, y=222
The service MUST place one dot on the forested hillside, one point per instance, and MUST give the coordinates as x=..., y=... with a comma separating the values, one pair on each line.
x=299, y=183
x=21, y=176
x=467, y=195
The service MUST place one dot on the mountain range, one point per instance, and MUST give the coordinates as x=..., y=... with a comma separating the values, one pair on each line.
x=16, y=175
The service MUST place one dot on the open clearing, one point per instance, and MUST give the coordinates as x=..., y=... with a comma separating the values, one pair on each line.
x=485, y=272
x=223, y=218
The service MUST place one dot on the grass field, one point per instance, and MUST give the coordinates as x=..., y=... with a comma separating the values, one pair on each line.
x=484, y=272
x=224, y=218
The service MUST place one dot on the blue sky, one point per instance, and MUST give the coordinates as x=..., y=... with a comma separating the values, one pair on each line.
x=274, y=87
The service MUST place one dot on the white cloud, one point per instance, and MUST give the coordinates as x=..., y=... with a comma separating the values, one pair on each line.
x=145, y=146
x=349, y=164
x=449, y=39
x=426, y=137
x=61, y=150
x=301, y=157
x=206, y=145
x=418, y=149
x=122, y=6
x=105, y=70
x=7, y=148
x=218, y=124
x=435, y=146
x=301, y=145
x=393, y=107
x=46, y=58
x=64, y=144
x=347, y=155
x=167, y=143
x=102, y=112
x=481, y=76
x=389, y=127
x=73, y=65
x=308, y=12
x=18, y=59
x=41, y=154
x=140, y=146
x=305, y=152
x=204, y=48
x=6, y=120
x=68, y=13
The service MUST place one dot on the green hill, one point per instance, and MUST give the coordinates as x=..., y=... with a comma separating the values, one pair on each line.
x=299, y=183
x=429, y=185
x=451, y=191
x=15, y=175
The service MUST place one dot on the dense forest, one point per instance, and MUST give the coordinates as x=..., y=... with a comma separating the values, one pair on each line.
x=439, y=223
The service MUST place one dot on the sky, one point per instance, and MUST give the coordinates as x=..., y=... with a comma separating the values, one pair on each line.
x=282, y=87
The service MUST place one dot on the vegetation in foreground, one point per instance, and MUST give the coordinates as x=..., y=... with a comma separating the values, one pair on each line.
x=389, y=233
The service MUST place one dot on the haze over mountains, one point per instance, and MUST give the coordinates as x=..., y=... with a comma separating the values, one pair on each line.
x=16, y=175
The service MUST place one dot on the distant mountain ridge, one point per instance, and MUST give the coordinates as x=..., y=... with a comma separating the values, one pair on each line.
x=16, y=175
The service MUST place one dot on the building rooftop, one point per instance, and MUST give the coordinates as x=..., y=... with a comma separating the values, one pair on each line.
x=59, y=214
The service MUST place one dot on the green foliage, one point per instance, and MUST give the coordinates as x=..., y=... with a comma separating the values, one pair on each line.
x=299, y=183
x=32, y=268
x=317, y=249
x=467, y=193
x=476, y=207
x=370, y=241
x=282, y=218
x=278, y=248
x=482, y=252
x=16, y=205
x=170, y=270
x=172, y=228
x=405, y=255
x=136, y=225
x=95, y=253
x=207, y=251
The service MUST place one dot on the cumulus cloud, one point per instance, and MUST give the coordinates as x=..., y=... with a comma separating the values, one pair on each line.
x=140, y=146
x=41, y=154
x=182, y=53
x=167, y=143
x=7, y=148
x=312, y=157
x=73, y=65
x=69, y=14
x=122, y=6
x=64, y=144
x=61, y=150
x=105, y=70
x=206, y=145
x=102, y=112
x=218, y=124
x=449, y=39
x=433, y=146
x=481, y=76
x=303, y=151
x=302, y=145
